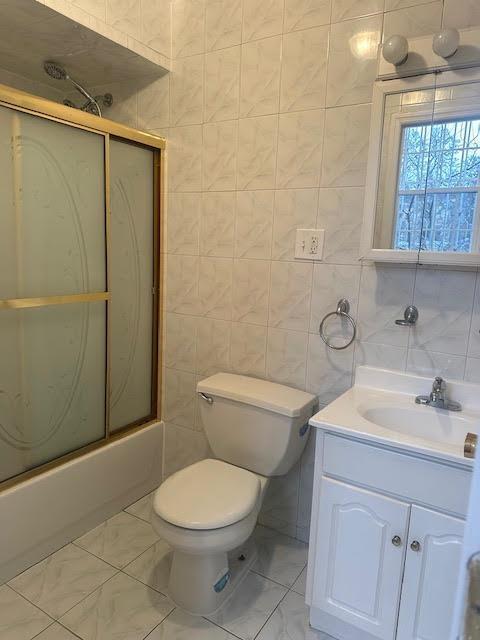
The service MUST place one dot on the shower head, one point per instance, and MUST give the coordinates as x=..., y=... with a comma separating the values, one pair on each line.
x=57, y=72
x=54, y=70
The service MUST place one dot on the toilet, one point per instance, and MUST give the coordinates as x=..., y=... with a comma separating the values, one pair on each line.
x=207, y=511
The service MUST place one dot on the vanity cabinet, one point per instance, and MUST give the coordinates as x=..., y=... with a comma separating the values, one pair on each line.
x=431, y=568
x=382, y=566
x=358, y=572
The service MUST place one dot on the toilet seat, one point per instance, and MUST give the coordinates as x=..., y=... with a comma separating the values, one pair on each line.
x=207, y=495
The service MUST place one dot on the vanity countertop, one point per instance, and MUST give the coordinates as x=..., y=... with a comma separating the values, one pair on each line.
x=380, y=408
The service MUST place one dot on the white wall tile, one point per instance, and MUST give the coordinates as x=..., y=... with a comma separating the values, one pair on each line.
x=251, y=280
x=213, y=346
x=188, y=27
x=153, y=103
x=257, y=145
x=290, y=291
x=124, y=15
x=260, y=77
x=185, y=158
x=187, y=91
x=254, y=219
x=300, y=143
x=215, y=287
x=303, y=14
x=332, y=282
x=445, y=316
x=420, y=20
x=304, y=69
x=180, y=397
x=385, y=292
x=223, y=24
x=472, y=370
x=352, y=63
x=217, y=228
x=219, y=155
x=248, y=349
x=294, y=209
x=182, y=295
x=461, y=14
x=329, y=373
x=345, y=153
x=429, y=363
x=474, y=338
x=222, y=84
x=348, y=9
x=183, y=223
x=180, y=342
x=286, y=357
x=380, y=355
x=340, y=213
x=261, y=20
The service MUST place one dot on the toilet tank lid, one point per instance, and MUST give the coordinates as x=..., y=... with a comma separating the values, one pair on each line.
x=258, y=393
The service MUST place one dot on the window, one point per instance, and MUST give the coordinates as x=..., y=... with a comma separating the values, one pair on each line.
x=437, y=186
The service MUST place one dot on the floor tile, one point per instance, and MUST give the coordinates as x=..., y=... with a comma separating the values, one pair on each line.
x=181, y=626
x=300, y=584
x=119, y=540
x=153, y=566
x=250, y=606
x=56, y=632
x=63, y=579
x=290, y=622
x=142, y=508
x=121, y=609
x=19, y=619
x=280, y=557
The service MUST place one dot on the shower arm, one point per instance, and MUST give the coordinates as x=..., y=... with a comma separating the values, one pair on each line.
x=85, y=94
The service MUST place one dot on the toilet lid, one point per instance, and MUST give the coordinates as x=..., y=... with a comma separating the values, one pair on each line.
x=207, y=495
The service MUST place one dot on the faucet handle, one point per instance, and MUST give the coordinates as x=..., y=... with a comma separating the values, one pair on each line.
x=439, y=384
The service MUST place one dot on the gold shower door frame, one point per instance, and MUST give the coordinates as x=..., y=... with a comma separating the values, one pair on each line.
x=42, y=108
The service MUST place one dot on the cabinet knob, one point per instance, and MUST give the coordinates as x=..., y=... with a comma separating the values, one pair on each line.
x=415, y=546
x=396, y=541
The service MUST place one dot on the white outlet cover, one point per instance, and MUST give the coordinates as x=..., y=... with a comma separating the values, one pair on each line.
x=309, y=244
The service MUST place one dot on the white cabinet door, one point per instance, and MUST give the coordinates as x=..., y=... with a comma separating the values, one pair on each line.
x=430, y=580
x=358, y=569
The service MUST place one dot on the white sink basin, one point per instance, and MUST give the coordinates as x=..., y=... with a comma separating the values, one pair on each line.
x=421, y=422
x=381, y=407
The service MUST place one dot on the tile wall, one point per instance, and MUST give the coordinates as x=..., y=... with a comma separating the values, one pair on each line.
x=137, y=24
x=267, y=115
x=268, y=132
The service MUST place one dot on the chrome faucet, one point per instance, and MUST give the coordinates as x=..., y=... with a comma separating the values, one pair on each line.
x=438, y=397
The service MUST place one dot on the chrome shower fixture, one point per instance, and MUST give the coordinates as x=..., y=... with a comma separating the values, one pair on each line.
x=92, y=104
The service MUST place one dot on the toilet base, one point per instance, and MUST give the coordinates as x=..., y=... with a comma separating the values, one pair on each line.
x=201, y=584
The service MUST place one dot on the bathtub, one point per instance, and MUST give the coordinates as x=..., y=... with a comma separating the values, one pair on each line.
x=42, y=514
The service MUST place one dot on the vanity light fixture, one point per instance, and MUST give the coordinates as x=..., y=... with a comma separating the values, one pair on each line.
x=445, y=43
x=395, y=50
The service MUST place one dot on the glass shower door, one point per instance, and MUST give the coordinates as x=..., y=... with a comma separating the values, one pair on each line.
x=52, y=290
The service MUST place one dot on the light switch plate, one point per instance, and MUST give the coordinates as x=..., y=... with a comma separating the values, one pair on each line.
x=309, y=244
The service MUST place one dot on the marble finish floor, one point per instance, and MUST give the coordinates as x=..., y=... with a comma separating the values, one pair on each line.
x=110, y=583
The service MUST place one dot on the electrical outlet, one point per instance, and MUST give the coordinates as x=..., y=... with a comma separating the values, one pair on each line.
x=309, y=244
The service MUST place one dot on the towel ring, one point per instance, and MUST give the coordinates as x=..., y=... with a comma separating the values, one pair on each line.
x=343, y=308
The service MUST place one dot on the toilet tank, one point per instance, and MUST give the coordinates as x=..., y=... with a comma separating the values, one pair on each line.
x=255, y=424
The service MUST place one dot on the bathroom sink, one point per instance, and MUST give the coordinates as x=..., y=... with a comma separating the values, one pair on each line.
x=421, y=422
x=381, y=408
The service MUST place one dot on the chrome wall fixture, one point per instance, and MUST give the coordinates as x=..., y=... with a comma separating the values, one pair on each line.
x=342, y=311
x=410, y=317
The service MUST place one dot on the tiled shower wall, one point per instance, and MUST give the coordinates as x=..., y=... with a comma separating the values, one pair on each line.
x=267, y=114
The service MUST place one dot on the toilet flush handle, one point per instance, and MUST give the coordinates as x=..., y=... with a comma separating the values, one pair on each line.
x=208, y=399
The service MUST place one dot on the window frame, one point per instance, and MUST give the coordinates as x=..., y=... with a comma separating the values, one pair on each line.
x=23, y=102
x=382, y=89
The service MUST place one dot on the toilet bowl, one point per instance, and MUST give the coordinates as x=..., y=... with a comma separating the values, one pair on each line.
x=207, y=511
